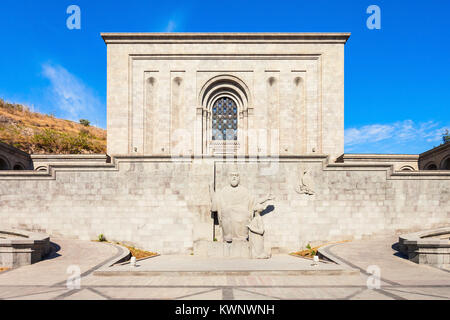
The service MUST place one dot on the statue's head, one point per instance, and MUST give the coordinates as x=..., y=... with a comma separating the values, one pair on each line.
x=234, y=179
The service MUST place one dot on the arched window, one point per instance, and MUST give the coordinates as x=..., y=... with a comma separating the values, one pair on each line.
x=431, y=166
x=4, y=164
x=18, y=166
x=446, y=164
x=224, y=119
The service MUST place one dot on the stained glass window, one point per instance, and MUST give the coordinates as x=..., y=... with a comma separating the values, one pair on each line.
x=224, y=120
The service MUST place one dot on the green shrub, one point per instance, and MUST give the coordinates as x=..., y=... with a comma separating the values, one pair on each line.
x=101, y=238
x=46, y=140
x=52, y=141
x=446, y=136
x=85, y=122
x=311, y=250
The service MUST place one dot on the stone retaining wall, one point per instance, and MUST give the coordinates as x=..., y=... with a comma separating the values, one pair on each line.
x=162, y=204
x=22, y=248
x=426, y=247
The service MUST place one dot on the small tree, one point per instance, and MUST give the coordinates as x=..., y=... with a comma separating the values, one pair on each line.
x=446, y=136
x=85, y=122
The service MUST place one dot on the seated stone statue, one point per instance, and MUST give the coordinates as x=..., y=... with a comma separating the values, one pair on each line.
x=235, y=208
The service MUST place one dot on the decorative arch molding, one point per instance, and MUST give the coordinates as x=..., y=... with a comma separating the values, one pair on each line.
x=220, y=95
x=229, y=91
x=225, y=82
x=407, y=168
x=4, y=164
x=445, y=163
x=272, y=80
x=431, y=166
x=299, y=110
x=19, y=166
x=224, y=86
x=150, y=113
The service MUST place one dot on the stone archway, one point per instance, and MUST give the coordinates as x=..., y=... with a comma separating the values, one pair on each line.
x=4, y=165
x=19, y=166
x=431, y=166
x=445, y=164
x=237, y=93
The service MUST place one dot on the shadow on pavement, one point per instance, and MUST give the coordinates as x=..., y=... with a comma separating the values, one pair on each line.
x=54, y=252
x=398, y=253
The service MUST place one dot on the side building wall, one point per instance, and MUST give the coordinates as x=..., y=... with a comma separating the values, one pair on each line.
x=437, y=158
x=12, y=158
x=163, y=204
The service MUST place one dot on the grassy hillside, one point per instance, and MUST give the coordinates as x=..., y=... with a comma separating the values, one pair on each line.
x=38, y=133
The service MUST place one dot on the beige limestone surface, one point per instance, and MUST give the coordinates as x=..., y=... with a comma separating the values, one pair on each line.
x=400, y=279
x=289, y=92
x=163, y=204
x=289, y=89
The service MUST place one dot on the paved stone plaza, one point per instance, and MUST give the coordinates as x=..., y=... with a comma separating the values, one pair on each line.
x=400, y=278
x=278, y=265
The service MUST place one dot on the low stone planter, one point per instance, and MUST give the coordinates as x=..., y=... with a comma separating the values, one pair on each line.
x=19, y=248
x=427, y=247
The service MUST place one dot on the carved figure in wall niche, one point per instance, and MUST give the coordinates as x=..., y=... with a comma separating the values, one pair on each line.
x=306, y=183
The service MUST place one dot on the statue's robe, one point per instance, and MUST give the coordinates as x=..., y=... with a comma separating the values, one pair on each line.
x=235, y=207
x=256, y=238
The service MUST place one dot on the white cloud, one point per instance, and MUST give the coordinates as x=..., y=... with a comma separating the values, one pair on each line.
x=170, y=26
x=175, y=21
x=399, y=137
x=70, y=95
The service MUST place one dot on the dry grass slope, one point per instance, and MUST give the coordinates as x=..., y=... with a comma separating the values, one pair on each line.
x=38, y=133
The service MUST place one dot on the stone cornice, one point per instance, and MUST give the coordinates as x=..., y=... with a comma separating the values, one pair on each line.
x=379, y=157
x=58, y=157
x=13, y=150
x=53, y=168
x=441, y=148
x=225, y=37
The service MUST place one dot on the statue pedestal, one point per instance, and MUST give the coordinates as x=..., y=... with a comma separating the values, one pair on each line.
x=215, y=249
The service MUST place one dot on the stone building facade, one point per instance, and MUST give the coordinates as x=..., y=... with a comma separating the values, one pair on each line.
x=400, y=162
x=284, y=97
x=437, y=158
x=14, y=159
x=287, y=91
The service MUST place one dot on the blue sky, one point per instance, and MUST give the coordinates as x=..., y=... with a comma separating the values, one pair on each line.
x=397, y=79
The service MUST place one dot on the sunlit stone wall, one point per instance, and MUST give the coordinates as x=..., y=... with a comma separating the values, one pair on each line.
x=164, y=204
